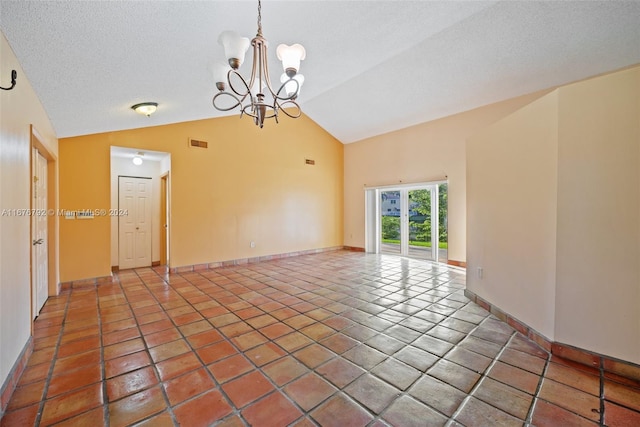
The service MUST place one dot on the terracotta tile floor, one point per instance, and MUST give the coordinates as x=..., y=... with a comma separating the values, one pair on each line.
x=333, y=339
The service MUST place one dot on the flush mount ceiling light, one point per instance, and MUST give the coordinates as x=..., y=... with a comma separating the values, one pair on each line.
x=146, y=108
x=137, y=159
x=253, y=91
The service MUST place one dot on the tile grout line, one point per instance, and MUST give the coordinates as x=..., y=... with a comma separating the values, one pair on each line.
x=125, y=297
x=336, y=356
x=53, y=361
x=536, y=396
x=305, y=413
x=405, y=392
x=482, y=377
x=169, y=408
x=301, y=291
x=235, y=410
x=602, y=397
x=103, y=373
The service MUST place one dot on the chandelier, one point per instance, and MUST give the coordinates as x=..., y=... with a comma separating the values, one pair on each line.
x=256, y=97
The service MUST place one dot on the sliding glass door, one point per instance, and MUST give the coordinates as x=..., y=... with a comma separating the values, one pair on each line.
x=390, y=219
x=409, y=221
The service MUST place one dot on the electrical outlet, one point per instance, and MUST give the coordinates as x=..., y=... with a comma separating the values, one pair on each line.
x=252, y=244
x=480, y=272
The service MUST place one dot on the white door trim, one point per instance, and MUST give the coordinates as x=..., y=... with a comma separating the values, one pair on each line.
x=39, y=232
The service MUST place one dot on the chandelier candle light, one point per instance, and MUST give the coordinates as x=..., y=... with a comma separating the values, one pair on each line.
x=253, y=91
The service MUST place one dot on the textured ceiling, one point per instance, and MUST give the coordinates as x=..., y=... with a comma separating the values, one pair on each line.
x=372, y=66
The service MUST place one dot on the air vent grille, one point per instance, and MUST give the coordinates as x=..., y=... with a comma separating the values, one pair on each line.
x=198, y=144
x=309, y=162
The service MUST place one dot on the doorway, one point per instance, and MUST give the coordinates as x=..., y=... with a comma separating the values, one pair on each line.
x=39, y=233
x=43, y=223
x=408, y=221
x=134, y=221
x=155, y=166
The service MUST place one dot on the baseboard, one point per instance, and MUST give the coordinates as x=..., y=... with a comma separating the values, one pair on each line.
x=610, y=365
x=94, y=281
x=116, y=268
x=462, y=264
x=14, y=375
x=353, y=248
x=242, y=261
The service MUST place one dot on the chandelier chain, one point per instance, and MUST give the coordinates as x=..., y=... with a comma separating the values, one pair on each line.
x=259, y=17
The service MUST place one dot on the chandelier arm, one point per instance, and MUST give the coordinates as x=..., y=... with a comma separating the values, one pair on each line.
x=282, y=107
x=255, y=42
x=244, y=82
x=288, y=97
x=238, y=101
x=266, y=71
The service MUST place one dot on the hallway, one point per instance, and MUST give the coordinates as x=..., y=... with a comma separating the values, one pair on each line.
x=332, y=339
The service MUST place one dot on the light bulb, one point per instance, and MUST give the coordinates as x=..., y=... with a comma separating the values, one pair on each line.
x=291, y=57
x=137, y=160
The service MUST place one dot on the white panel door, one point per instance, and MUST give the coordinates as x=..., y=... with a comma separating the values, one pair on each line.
x=134, y=223
x=40, y=262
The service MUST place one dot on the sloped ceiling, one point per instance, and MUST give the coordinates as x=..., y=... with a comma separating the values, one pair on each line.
x=372, y=66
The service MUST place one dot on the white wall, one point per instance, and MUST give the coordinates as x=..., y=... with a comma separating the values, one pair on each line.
x=423, y=153
x=19, y=108
x=598, y=299
x=519, y=205
x=121, y=166
x=511, y=213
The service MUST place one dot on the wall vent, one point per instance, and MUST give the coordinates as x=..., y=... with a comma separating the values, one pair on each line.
x=309, y=162
x=199, y=144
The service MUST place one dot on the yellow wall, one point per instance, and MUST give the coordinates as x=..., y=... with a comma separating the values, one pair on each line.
x=251, y=184
x=511, y=213
x=427, y=152
x=19, y=108
x=594, y=195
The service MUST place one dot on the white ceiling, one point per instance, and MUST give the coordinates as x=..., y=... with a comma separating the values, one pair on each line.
x=372, y=66
x=147, y=155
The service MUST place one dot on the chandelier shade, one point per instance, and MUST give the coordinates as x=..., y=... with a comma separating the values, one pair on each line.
x=255, y=96
x=235, y=47
x=291, y=57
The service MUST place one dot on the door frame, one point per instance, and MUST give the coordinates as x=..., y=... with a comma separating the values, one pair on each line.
x=165, y=218
x=52, y=217
x=373, y=213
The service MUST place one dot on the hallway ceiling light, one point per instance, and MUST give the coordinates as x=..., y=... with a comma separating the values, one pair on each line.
x=137, y=159
x=252, y=90
x=146, y=108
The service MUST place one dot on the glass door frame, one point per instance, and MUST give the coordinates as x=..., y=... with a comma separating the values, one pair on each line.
x=373, y=214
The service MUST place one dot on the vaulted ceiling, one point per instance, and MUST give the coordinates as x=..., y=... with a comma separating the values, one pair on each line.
x=372, y=66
